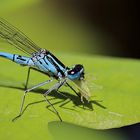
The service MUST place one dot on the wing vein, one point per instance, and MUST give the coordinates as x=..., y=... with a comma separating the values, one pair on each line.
x=13, y=36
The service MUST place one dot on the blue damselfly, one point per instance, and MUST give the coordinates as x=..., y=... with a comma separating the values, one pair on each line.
x=43, y=61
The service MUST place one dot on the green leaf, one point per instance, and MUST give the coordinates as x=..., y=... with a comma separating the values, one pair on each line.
x=115, y=105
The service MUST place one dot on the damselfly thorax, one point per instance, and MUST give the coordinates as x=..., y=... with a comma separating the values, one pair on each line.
x=48, y=63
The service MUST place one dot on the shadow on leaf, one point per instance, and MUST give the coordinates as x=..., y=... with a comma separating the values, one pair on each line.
x=64, y=97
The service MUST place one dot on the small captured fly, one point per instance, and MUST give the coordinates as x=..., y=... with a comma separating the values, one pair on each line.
x=43, y=61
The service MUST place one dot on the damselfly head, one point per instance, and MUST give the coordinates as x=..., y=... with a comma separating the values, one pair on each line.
x=76, y=72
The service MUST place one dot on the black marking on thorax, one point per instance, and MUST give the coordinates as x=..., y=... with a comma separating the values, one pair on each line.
x=57, y=60
x=45, y=60
x=40, y=62
x=56, y=65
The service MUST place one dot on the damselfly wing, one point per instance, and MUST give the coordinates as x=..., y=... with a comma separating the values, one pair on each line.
x=14, y=36
x=86, y=87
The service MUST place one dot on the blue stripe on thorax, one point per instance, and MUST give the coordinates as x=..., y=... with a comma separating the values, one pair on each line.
x=58, y=64
x=44, y=65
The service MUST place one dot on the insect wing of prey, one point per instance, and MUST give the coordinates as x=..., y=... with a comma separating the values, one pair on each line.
x=13, y=36
x=82, y=88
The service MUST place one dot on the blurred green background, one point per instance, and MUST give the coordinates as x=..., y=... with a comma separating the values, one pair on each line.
x=94, y=27
x=85, y=27
x=47, y=27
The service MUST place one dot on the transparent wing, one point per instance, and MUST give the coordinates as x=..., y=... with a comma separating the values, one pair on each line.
x=86, y=87
x=15, y=37
x=83, y=89
x=90, y=80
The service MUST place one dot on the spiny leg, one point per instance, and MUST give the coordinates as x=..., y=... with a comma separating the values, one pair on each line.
x=55, y=111
x=27, y=79
x=28, y=75
x=21, y=107
x=25, y=92
x=39, y=85
x=55, y=87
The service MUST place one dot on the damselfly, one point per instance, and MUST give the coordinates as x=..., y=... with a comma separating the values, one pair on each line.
x=43, y=61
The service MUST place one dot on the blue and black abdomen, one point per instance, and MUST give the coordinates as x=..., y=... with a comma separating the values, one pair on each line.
x=22, y=60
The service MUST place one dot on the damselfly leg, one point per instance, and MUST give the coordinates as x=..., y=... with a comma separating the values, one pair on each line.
x=24, y=96
x=28, y=75
x=55, y=87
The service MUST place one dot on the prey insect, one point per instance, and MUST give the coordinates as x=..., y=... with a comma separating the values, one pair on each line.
x=43, y=61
